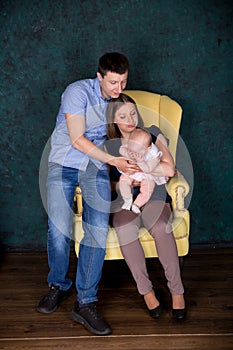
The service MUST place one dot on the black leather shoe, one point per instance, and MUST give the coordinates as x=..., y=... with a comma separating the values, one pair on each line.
x=179, y=314
x=51, y=300
x=89, y=317
x=156, y=312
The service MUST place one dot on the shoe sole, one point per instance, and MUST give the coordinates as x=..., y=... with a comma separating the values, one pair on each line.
x=45, y=311
x=79, y=319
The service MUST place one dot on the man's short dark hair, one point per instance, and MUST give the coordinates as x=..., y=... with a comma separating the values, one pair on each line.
x=113, y=62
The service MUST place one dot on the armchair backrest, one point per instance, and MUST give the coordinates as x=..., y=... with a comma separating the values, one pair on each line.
x=159, y=110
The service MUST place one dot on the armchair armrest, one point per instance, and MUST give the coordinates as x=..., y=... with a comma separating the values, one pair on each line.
x=178, y=188
x=78, y=207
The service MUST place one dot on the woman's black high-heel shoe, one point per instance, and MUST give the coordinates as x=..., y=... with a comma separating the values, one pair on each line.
x=156, y=312
x=179, y=314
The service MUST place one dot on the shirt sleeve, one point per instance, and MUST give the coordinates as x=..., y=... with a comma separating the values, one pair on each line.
x=74, y=99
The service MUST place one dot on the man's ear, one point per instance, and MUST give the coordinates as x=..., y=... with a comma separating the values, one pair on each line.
x=99, y=76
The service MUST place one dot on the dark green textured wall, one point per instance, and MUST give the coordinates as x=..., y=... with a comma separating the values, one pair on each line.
x=182, y=48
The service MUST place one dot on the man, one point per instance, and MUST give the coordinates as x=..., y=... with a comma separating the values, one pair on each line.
x=77, y=158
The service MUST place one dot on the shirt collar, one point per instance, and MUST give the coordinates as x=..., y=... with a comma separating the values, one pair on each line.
x=98, y=90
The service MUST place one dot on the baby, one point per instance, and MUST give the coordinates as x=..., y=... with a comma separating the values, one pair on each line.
x=141, y=150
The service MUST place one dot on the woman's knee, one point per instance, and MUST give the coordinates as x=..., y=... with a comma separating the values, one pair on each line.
x=157, y=217
x=125, y=218
x=126, y=225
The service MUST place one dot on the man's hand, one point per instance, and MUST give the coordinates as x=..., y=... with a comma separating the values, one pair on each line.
x=125, y=165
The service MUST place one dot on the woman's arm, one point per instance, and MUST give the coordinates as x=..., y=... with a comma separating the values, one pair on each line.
x=150, y=164
x=166, y=167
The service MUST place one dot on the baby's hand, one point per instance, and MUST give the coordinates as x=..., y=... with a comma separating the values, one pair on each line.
x=137, y=157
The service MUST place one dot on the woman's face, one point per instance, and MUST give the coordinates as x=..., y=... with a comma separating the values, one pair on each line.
x=126, y=118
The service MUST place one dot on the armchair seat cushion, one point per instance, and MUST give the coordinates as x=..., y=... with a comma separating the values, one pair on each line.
x=180, y=231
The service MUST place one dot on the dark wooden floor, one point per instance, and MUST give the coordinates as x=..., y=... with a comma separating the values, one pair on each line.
x=208, y=279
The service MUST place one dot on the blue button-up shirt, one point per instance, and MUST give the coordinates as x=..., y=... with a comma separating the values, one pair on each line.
x=83, y=98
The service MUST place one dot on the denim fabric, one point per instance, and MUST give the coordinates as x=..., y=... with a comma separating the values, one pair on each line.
x=95, y=186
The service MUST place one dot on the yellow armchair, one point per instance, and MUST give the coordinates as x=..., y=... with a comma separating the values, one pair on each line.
x=165, y=113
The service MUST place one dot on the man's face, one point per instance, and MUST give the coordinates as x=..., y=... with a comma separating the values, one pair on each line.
x=112, y=84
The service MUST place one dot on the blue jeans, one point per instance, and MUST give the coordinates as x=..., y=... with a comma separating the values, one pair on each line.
x=95, y=186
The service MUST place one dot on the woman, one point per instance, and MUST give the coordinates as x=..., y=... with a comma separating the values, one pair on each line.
x=123, y=118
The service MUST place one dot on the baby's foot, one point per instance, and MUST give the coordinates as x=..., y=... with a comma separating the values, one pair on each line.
x=127, y=204
x=135, y=209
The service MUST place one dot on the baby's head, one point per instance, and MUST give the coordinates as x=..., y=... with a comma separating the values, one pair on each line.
x=139, y=141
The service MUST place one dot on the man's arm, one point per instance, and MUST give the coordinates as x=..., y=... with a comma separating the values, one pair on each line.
x=76, y=129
